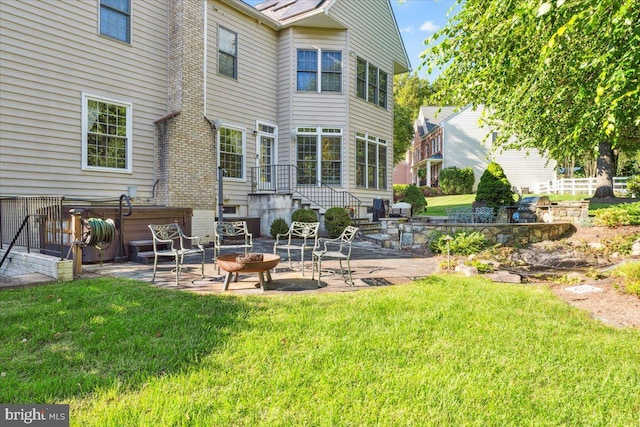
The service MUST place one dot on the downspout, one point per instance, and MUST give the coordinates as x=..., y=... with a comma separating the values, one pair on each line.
x=347, y=135
x=292, y=148
x=204, y=77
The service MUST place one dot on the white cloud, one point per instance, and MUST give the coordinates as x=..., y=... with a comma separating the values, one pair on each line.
x=407, y=29
x=429, y=27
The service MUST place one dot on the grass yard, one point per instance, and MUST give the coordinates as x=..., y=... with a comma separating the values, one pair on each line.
x=437, y=206
x=445, y=351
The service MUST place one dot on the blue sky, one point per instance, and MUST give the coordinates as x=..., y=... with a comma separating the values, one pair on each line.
x=417, y=20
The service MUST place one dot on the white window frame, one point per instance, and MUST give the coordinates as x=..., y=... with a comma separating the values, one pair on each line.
x=318, y=133
x=86, y=97
x=378, y=143
x=243, y=178
x=378, y=89
x=319, y=72
x=129, y=40
x=235, y=54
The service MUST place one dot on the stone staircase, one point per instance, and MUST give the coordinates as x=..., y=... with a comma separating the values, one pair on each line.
x=366, y=226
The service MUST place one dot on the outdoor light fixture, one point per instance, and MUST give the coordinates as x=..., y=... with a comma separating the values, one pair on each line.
x=217, y=123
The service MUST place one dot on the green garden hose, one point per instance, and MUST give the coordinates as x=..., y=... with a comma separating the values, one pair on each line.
x=99, y=233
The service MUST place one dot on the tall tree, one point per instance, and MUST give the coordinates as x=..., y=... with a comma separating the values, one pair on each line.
x=562, y=76
x=410, y=92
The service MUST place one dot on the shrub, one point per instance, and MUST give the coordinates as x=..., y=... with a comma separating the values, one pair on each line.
x=416, y=199
x=398, y=191
x=461, y=243
x=304, y=215
x=633, y=186
x=627, y=276
x=453, y=180
x=494, y=187
x=336, y=220
x=482, y=266
x=623, y=214
x=431, y=191
x=278, y=226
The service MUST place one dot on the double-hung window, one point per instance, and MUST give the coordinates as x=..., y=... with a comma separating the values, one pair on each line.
x=371, y=161
x=231, y=150
x=371, y=83
x=319, y=156
x=324, y=78
x=106, y=134
x=115, y=19
x=227, y=53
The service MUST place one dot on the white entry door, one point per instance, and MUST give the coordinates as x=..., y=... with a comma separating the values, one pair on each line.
x=265, y=162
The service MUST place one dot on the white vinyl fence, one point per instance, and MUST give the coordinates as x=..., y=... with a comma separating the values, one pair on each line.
x=577, y=186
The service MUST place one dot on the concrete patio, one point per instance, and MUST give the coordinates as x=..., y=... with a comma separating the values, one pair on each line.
x=370, y=265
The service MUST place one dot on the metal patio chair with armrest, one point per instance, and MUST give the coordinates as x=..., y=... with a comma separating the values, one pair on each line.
x=338, y=248
x=181, y=246
x=301, y=236
x=230, y=235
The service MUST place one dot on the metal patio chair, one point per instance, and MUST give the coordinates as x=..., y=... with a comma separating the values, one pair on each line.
x=338, y=248
x=181, y=246
x=301, y=236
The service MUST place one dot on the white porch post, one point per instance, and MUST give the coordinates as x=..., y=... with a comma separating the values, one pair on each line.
x=428, y=173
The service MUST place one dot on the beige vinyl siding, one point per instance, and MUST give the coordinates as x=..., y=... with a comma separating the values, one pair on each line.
x=524, y=170
x=373, y=37
x=239, y=102
x=286, y=72
x=51, y=55
x=465, y=145
x=318, y=109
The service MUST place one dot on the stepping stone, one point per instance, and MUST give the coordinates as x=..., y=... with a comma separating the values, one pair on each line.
x=583, y=289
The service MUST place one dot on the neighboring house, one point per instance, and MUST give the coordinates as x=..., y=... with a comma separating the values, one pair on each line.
x=445, y=138
x=102, y=98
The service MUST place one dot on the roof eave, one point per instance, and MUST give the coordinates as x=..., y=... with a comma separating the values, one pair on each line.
x=254, y=13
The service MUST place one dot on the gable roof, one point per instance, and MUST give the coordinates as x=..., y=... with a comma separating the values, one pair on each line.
x=317, y=13
x=432, y=117
x=307, y=13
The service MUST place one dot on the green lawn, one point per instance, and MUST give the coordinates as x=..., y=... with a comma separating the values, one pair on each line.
x=444, y=351
x=437, y=206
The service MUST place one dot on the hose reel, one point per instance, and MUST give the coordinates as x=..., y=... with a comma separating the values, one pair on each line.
x=98, y=232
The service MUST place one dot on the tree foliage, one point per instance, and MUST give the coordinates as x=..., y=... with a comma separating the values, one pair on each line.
x=410, y=92
x=562, y=76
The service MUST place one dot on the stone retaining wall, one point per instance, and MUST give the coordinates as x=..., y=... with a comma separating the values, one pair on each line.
x=570, y=211
x=397, y=233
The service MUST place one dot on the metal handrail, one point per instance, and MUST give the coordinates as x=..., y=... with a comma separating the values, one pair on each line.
x=34, y=222
x=292, y=179
x=17, y=235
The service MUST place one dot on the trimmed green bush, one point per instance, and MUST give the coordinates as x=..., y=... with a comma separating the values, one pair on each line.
x=494, y=187
x=453, y=180
x=623, y=214
x=633, y=186
x=416, y=199
x=304, y=215
x=399, y=191
x=336, y=220
x=278, y=226
x=627, y=277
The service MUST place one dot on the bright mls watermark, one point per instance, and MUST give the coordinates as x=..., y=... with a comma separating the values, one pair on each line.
x=34, y=415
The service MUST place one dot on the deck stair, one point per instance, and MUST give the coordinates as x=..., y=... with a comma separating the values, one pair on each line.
x=141, y=251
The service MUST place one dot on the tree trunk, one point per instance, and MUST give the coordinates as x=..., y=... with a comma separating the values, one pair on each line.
x=604, y=178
